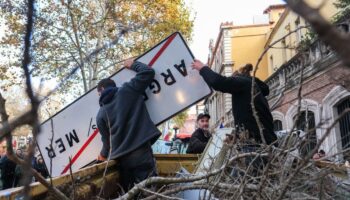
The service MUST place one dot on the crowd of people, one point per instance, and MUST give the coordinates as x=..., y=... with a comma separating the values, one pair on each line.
x=11, y=172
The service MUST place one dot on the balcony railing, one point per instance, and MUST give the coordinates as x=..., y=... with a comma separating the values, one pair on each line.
x=316, y=58
x=313, y=60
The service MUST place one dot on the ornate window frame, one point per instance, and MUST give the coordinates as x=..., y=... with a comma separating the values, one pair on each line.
x=329, y=115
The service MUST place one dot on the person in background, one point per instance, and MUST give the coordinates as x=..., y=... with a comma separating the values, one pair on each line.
x=8, y=168
x=239, y=86
x=200, y=136
x=40, y=167
x=19, y=169
x=320, y=154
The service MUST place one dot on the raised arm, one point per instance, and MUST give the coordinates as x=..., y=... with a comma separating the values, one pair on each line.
x=143, y=78
x=217, y=81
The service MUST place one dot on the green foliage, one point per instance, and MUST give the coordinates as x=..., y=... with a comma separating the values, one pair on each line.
x=343, y=6
x=310, y=36
x=342, y=3
x=306, y=40
x=180, y=119
x=64, y=33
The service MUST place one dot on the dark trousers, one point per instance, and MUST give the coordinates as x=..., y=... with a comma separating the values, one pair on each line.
x=137, y=166
x=8, y=182
x=256, y=163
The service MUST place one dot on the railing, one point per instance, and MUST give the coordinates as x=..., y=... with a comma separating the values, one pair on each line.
x=316, y=58
x=313, y=60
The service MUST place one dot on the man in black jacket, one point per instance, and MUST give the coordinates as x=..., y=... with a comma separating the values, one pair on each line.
x=8, y=168
x=125, y=126
x=201, y=135
x=240, y=88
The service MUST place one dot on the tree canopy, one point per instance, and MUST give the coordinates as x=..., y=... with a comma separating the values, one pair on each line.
x=65, y=32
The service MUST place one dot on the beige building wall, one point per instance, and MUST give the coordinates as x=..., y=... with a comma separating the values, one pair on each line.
x=289, y=21
x=247, y=46
x=328, y=10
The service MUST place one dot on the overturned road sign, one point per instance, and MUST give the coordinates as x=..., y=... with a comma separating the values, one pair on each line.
x=70, y=138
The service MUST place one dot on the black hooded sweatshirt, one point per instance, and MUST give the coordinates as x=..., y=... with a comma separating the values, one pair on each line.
x=123, y=113
x=198, y=142
x=240, y=88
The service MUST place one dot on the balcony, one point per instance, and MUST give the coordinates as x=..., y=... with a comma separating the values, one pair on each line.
x=316, y=58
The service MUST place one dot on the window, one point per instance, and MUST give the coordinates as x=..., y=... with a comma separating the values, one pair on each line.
x=298, y=33
x=223, y=104
x=344, y=126
x=277, y=125
x=222, y=54
x=306, y=123
x=284, y=50
x=271, y=63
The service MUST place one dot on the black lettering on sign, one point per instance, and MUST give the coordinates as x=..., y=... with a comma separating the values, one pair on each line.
x=181, y=68
x=94, y=127
x=168, y=78
x=50, y=152
x=155, y=87
x=72, y=137
x=61, y=145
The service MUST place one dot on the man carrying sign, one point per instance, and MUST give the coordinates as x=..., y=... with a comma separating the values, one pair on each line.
x=124, y=119
x=240, y=88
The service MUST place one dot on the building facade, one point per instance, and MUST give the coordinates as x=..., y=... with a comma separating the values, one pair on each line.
x=325, y=81
x=236, y=46
x=220, y=60
x=286, y=48
x=324, y=91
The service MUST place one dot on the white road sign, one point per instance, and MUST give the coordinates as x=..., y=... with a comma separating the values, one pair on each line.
x=73, y=130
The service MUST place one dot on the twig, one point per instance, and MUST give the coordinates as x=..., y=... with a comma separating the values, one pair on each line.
x=12, y=156
x=51, y=146
x=160, y=195
x=160, y=180
x=306, y=159
x=255, y=114
x=72, y=177
x=34, y=122
x=30, y=118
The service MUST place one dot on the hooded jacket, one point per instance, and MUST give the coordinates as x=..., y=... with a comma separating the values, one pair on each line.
x=240, y=88
x=123, y=114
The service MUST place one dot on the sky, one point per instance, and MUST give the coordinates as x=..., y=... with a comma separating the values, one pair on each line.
x=209, y=14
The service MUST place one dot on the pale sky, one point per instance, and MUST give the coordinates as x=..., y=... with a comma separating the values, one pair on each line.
x=209, y=14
